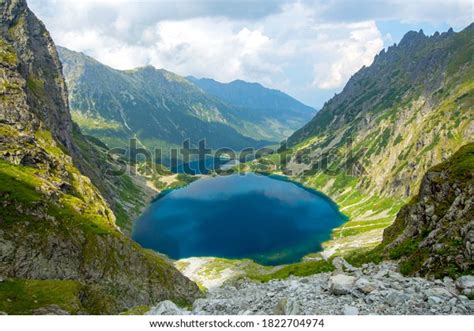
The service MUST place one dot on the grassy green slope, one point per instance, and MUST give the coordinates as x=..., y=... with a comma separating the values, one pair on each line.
x=52, y=212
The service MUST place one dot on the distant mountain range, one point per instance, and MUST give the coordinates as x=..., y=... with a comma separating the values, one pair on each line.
x=274, y=113
x=163, y=109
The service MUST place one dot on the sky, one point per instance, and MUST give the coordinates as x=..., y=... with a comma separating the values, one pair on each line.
x=308, y=49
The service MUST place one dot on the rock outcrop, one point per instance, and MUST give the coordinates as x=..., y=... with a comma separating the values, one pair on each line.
x=434, y=234
x=167, y=308
x=33, y=86
x=465, y=285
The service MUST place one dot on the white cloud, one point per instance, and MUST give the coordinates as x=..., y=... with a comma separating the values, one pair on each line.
x=212, y=47
x=357, y=46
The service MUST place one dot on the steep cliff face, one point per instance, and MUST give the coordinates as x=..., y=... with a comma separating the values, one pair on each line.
x=434, y=233
x=57, y=232
x=39, y=95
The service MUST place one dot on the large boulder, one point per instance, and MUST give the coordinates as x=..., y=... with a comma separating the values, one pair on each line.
x=439, y=292
x=341, y=284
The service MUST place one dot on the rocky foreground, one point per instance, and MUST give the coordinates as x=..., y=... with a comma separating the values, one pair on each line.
x=371, y=289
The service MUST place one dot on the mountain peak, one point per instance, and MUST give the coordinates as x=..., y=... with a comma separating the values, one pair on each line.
x=147, y=67
x=249, y=94
x=412, y=37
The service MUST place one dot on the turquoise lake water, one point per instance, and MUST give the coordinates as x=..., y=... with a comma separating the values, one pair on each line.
x=268, y=219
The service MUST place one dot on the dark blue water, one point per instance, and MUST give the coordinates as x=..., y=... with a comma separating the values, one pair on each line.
x=267, y=219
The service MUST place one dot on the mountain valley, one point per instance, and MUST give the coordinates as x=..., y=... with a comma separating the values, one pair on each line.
x=162, y=109
x=394, y=150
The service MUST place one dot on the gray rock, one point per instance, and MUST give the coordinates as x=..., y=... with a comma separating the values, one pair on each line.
x=341, y=284
x=433, y=300
x=167, y=307
x=50, y=310
x=245, y=312
x=350, y=310
x=465, y=284
x=439, y=292
x=364, y=286
x=292, y=308
x=338, y=263
x=328, y=294
x=199, y=306
x=342, y=265
x=395, y=298
x=286, y=307
x=429, y=211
